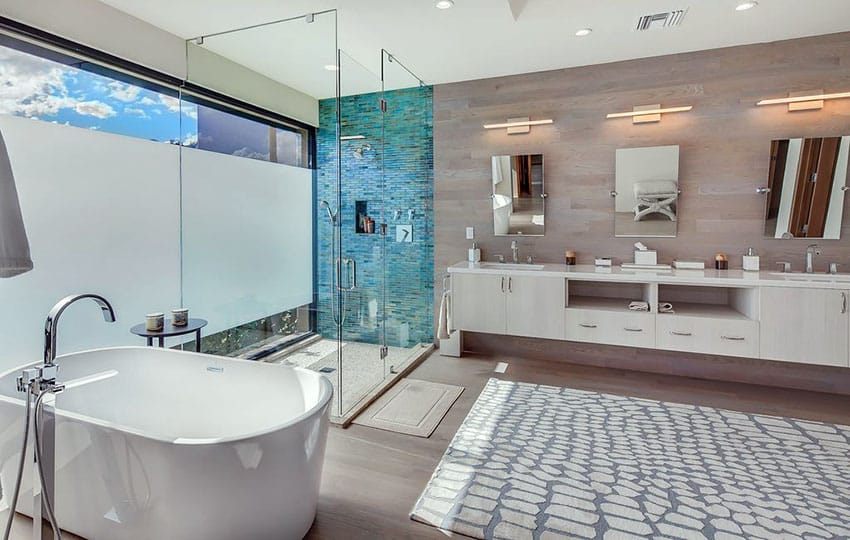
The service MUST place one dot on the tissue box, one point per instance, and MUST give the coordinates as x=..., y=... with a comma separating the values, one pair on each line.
x=649, y=256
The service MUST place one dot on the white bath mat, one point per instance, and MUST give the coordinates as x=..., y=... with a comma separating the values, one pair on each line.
x=542, y=462
x=412, y=407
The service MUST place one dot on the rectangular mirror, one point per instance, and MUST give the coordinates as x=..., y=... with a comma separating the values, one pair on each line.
x=646, y=191
x=518, y=196
x=805, y=187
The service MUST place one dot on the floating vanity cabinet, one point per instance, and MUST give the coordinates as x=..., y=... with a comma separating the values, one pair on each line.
x=772, y=316
x=518, y=305
x=805, y=325
x=478, y=302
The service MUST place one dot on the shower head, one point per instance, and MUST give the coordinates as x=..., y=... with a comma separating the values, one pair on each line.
x=331, y=213
x=363, y=148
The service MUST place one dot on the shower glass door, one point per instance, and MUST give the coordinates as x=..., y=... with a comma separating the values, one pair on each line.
x=359, y=266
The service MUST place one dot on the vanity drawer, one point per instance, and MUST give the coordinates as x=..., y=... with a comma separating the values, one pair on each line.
x=611, y=327
x=736, y=337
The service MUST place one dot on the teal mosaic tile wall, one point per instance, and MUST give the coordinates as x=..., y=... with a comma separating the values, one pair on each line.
x=395, y=179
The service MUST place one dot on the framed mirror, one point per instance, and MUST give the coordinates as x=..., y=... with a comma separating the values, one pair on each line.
x=646, y=192
x=806, y=182
x=518, y=197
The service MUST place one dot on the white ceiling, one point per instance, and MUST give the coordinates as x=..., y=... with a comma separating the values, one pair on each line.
x=478, y=38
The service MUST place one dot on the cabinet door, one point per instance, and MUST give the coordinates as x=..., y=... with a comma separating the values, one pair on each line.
x=535, y=306
x=478, y=303
x=804, y=325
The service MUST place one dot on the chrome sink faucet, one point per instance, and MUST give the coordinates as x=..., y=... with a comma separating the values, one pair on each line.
x=811, y=251
x=515, y=250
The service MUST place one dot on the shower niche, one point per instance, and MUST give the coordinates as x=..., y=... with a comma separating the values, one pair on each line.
x=363, y=222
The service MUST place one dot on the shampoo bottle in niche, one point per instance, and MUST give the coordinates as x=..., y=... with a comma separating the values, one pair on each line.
x=474, y=255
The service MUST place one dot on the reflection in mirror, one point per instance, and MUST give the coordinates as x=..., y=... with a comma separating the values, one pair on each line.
x=647, y=191
x=518, y=196
x=805, y=195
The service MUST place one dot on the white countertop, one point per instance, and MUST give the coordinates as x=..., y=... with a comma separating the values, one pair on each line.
x=718, y=278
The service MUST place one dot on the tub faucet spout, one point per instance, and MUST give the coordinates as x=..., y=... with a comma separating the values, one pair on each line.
x=52, y=322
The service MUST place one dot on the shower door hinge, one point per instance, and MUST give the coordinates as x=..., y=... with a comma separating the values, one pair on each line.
x=383, y=105
x=384, y=351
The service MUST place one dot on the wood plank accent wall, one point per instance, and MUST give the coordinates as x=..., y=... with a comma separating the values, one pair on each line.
x=724, y=149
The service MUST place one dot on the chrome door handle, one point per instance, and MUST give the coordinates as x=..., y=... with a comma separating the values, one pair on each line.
x=503, y=283
x=510, y=284
x=733, y=338
x=627, y=329
x=583, y=325
x=843, y=302
x=683, y=334
x=350, y=273
x=353, y=265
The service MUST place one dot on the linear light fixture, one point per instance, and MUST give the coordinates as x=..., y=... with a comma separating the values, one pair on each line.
x=518, y=125
x=804, y=101
x=642, y=114
x=352, y=137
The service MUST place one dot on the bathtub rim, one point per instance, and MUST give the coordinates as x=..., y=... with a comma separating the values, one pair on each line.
x=325, y=396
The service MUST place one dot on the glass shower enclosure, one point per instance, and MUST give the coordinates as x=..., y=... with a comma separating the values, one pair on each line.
x=321, y=259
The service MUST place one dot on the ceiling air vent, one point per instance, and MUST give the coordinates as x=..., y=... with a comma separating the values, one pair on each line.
x=659, y=21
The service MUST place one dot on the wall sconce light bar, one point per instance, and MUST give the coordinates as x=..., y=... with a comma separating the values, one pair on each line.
x=518, y=125
x=648, y=113
x=352, y=137
x=799, y=101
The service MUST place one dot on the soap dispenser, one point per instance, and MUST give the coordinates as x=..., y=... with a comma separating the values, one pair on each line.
x=474, y=254
x=751, y=261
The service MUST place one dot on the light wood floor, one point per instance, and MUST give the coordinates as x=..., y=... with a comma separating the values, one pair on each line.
x=372, y=477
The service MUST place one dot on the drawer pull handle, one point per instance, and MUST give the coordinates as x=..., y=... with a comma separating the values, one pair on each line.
x=583, y=325
x=503, y=283
x=843, y=302
x=733, y=338
x=627, y=329
x=683, y=334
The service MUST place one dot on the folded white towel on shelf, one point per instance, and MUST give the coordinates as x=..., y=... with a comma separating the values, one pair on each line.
x=639, y=306
x=444, y=324
x=665, y=307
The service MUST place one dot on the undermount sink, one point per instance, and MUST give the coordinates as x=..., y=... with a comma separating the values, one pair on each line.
x=801, y=276
x=510, y=266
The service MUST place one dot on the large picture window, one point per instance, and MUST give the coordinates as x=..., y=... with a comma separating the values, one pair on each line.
x=41, y=84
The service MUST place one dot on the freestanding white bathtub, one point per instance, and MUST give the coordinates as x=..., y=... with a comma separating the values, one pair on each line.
x=175, y=445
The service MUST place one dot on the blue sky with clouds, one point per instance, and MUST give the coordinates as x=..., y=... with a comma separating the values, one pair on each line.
x=34, y=87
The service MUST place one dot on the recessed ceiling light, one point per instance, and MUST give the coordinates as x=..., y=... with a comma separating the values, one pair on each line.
x=744, y=6
x=331, y=67
x=444, y=4
x=584, y=32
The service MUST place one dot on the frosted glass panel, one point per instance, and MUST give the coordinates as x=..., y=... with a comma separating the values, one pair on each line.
x=101, y=212
x=247, y=238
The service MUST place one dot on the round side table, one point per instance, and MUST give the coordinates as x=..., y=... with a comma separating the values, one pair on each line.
x=169, y=330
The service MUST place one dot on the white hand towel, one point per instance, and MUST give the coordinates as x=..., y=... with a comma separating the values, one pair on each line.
x=14, y=246
x=665, y=307
x=443, y=323
x=639, y=306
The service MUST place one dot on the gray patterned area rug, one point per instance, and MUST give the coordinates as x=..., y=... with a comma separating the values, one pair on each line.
x=534, y=461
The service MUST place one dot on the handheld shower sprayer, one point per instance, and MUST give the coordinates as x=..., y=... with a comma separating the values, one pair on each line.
x=331, y=213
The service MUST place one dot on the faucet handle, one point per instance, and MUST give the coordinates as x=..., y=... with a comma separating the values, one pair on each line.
x=500, y=258
x=529, y=259
x=833, y=267
x=786, y=266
